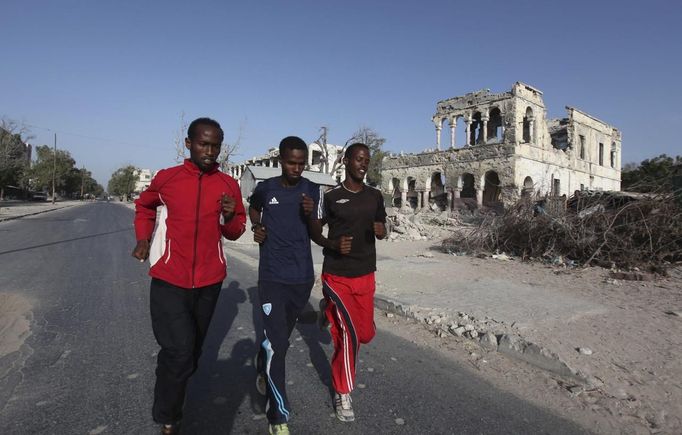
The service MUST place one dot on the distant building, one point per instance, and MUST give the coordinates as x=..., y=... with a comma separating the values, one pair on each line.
x=316, y=161
x=144, y=179
x=252, y=175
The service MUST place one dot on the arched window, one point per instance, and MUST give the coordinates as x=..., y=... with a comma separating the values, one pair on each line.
x=491, y=188
x=468, y=186
x=527, y=186
x=495, y=126
x=476, y=129
x=527, y=125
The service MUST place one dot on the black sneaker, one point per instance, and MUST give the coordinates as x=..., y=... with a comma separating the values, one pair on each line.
x=322, y=321
x=261, y=379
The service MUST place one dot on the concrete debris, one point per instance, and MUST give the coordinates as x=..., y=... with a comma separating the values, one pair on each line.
x=674, y=313
x=533, y=354
x=585, y=350
x=502, y=257
x=425, y=225
x=631, y=276
x=459, y=331
x=489, y=341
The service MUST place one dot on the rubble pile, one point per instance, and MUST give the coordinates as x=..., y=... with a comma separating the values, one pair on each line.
x=418, y=226
x=606, y=229
x=465, y=325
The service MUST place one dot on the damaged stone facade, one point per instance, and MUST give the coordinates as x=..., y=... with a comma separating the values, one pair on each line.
x=511, y=149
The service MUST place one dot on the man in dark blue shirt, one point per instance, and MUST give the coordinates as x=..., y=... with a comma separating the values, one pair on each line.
x=279, y=210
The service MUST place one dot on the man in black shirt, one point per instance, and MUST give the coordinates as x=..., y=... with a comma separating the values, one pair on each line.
x=356, y=216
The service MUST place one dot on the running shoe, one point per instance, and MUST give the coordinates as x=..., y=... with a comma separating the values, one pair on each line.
x=170, y=429
x=279, y=429
x=261, y=380
x=322, y=320
x=343, y=407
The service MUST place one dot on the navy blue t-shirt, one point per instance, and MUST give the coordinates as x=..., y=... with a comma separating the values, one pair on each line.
x=285, y=253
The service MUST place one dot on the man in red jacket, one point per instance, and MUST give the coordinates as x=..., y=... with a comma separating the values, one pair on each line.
x=200, y=205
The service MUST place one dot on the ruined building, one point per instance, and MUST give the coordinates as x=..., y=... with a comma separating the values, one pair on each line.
x=510, y=149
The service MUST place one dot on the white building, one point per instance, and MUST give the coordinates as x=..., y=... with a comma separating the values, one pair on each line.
x=144, y=179
x=252, y=175
x=316, y=161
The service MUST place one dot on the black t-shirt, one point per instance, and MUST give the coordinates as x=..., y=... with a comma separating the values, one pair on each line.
x=352, y=214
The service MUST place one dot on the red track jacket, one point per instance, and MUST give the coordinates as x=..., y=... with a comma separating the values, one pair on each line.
x=193, y=254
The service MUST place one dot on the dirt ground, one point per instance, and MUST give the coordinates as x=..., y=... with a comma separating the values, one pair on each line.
x=635, y=337
x=15, y=322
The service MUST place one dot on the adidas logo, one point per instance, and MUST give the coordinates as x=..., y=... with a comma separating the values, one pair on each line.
x=342, y=201
x=273, y=201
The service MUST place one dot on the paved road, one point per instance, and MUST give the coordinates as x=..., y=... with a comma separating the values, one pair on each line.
x=88, y=365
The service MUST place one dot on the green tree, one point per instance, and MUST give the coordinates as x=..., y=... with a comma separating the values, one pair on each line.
x=122, y=182
x=89, y=184
x=375, y=143
x=13, y=155
x=42, y=171
x=79, y=182
x=650, y=175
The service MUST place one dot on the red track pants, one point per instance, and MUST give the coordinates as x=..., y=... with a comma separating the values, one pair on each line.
x=350, y=311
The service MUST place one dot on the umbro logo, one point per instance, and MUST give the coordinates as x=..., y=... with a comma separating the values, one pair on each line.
x=342, y=200
x=273, y=201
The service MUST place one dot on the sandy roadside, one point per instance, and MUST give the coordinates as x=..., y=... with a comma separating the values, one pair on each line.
x=628, y=327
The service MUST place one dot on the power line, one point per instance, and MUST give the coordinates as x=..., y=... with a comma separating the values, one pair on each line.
x=113, y=141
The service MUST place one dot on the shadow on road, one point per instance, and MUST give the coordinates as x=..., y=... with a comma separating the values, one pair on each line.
x=313, y=338
x=222, y=383
x=219, y=386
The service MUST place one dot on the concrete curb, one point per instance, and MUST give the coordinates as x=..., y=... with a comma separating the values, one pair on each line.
x=509, y=344
x=10, y=218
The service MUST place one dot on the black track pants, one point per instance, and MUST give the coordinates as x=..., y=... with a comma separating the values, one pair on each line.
x=281, y=305
x=180, y=319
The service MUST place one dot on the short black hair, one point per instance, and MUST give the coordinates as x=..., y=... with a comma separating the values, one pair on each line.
x=292, y=143
x=192, y=129
x=351, y=149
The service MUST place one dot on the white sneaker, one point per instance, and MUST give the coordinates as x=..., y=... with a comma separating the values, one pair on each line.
x=343, y=407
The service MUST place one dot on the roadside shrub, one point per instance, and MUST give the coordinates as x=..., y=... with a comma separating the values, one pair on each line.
x=601, y=228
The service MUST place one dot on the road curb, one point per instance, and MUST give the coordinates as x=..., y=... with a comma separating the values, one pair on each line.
x=10, y=218
x=511, y=345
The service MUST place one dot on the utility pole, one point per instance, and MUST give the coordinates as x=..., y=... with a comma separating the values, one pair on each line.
x=324, y=157
x=82, y=181
x=54, y=169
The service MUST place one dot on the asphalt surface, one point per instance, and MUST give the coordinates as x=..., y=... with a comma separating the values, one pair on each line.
x=88, y=365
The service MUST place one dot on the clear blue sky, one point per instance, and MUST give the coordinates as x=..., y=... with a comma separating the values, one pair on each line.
x=112, y=77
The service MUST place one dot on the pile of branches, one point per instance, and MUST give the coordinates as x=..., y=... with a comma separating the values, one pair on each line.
x=609, y=229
